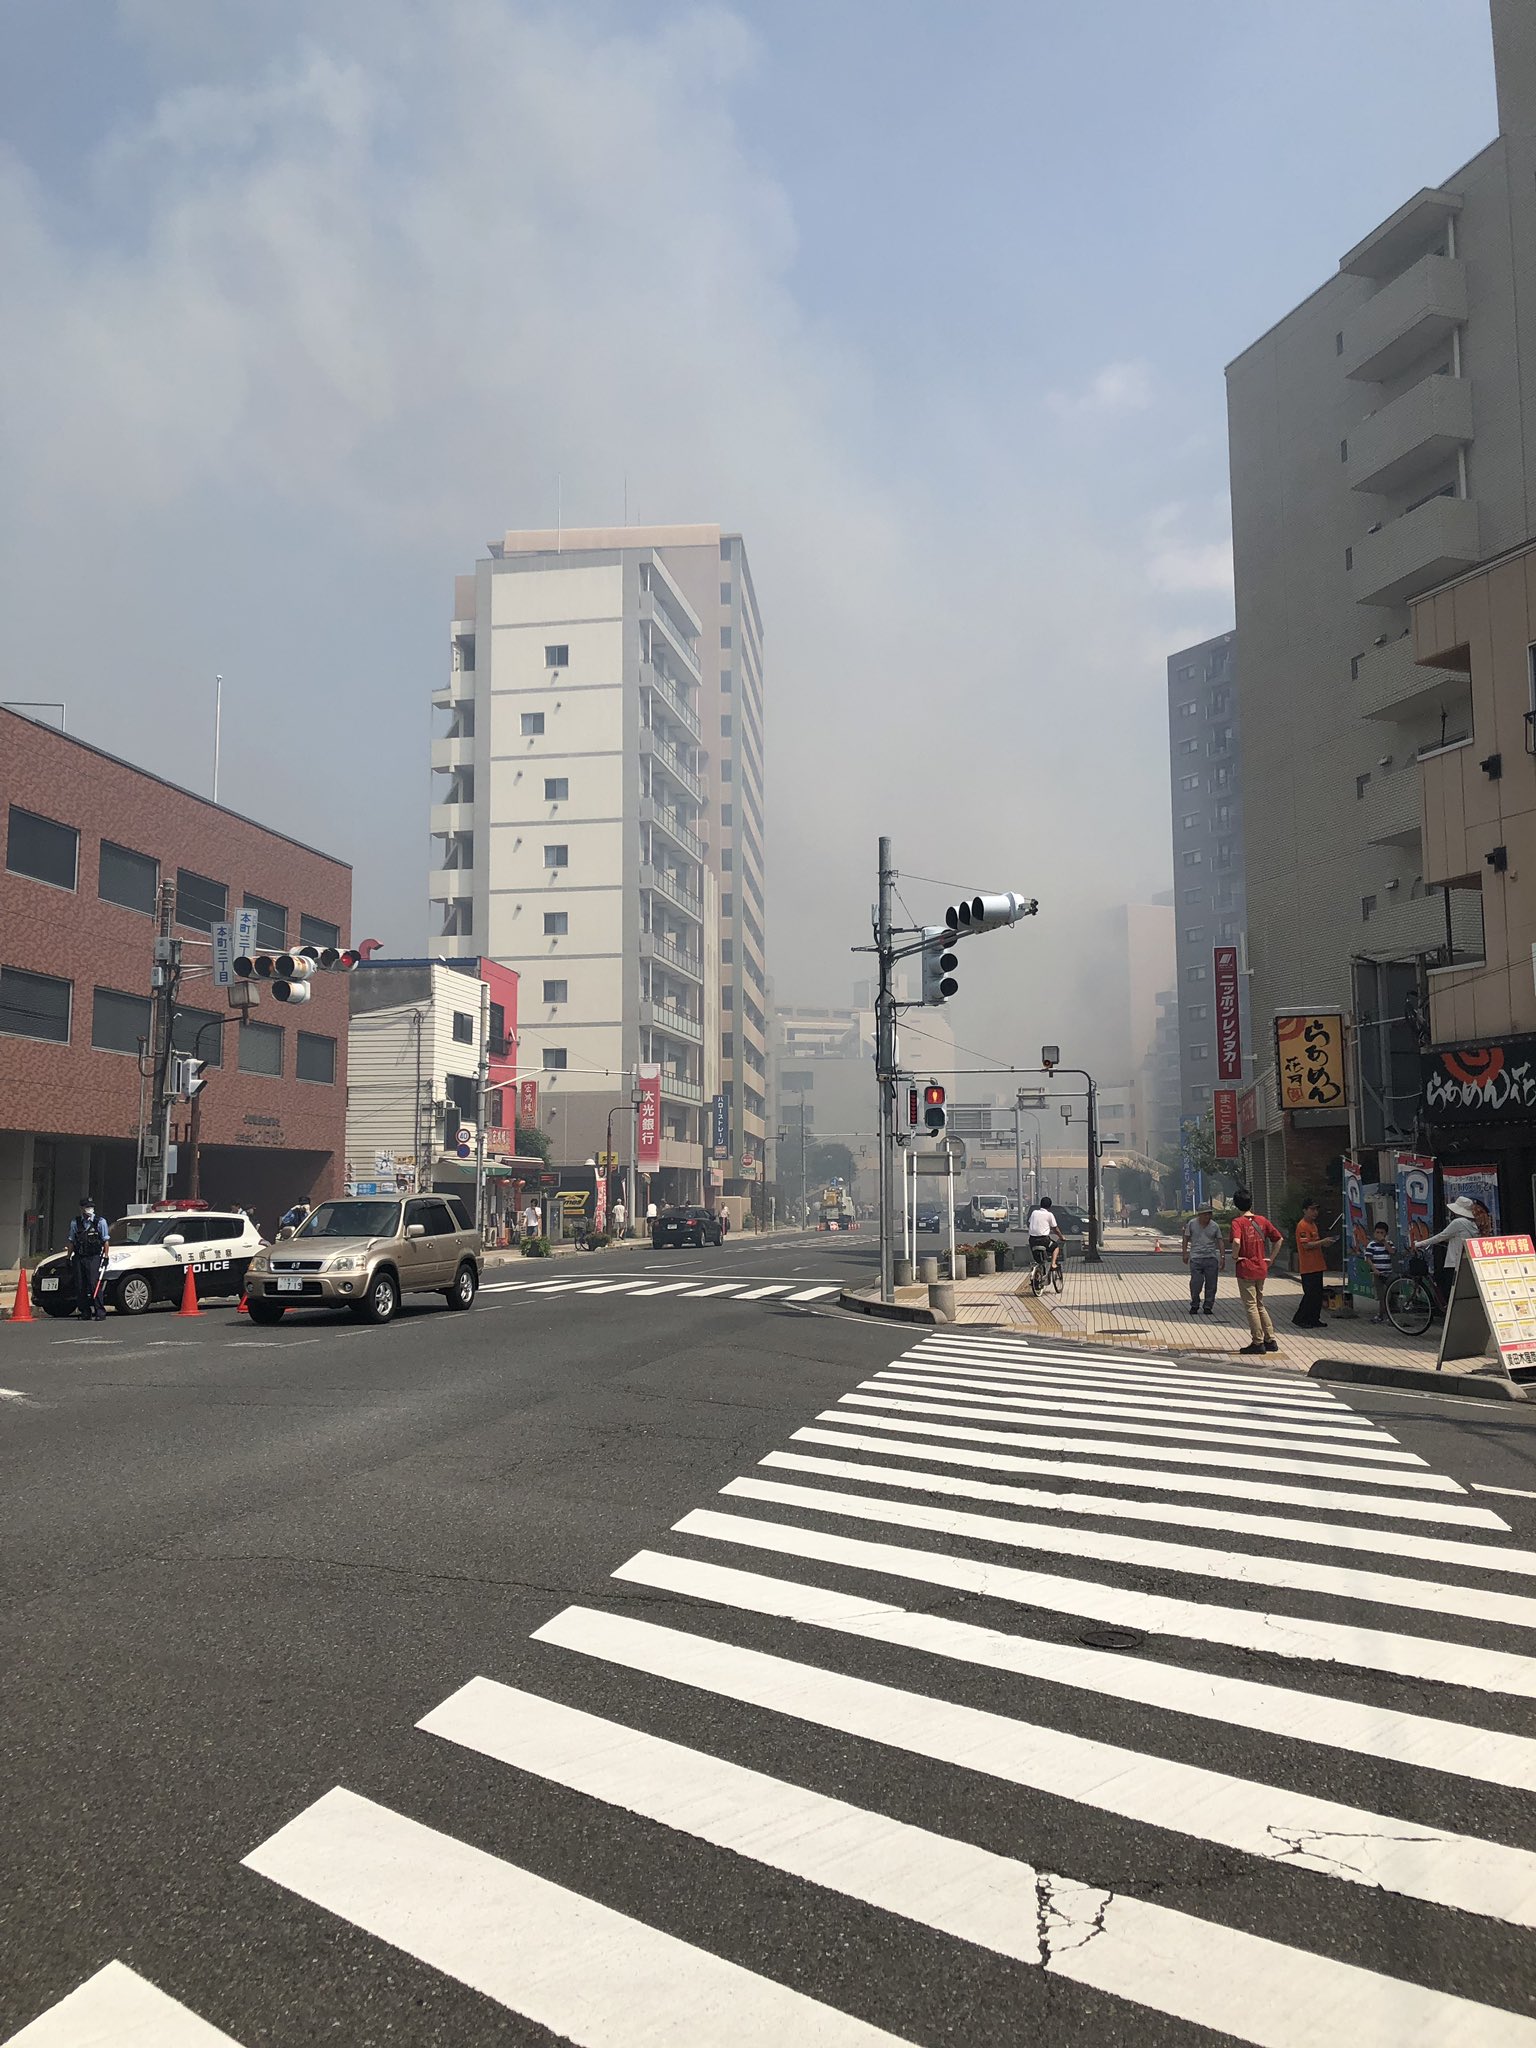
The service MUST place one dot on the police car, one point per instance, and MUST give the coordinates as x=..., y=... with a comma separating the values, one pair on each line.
x=148, y=1256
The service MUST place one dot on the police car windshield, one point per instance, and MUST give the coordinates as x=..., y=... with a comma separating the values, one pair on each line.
x=145, y=1229
x=352, y=1219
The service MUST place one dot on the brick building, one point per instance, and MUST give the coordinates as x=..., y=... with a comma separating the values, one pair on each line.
x=85, y=842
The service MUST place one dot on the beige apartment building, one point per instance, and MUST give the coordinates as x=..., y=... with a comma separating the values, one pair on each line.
x=599, y=818
x=1383, y=440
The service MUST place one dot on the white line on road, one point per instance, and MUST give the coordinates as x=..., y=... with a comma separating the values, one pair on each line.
x=1488, y=1557
x=1420, y=1740
x=1170, y=1454
x=757, y=1293
x=1043, y=1415
x=663, y=1287
x=1191, y=1560
x=1162, y=1482
x=117, y=2008
x=719, y=1287
x=563, y=1961
x=812, y=1293
x=1112, y=1365
x=1276, y=1824
x=1513, y=1492
x=1034, y=1393
x=1238, y=1628
x=1212, y=1976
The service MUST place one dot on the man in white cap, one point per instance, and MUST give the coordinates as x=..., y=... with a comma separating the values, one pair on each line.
x=1461, y=1224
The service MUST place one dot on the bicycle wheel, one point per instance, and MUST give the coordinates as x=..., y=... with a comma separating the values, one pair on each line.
x=1410, y=1307
x=1037, y=1279
x=1058, y=1278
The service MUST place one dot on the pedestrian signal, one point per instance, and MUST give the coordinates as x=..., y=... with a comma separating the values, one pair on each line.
x=935, y=1116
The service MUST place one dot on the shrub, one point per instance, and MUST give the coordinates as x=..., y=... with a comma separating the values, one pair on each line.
x=1001, y=1250
x=535, y=1247
x=599, y=1241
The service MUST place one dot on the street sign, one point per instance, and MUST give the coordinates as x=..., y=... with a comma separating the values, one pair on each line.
x=245, y=931
x=224, y=950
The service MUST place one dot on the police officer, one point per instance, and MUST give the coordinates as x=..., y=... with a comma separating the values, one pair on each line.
x=88, y=1235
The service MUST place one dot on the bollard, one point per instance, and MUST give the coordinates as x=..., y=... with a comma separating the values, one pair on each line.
x=903, y=1272
x=941, y=1299
x=928, y=1269
x=986, y=1262
x=957, y=1270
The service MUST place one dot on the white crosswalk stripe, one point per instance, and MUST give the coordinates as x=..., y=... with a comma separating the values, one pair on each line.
x=1280, y=1735
x=646, y=1287
x=117, y=2008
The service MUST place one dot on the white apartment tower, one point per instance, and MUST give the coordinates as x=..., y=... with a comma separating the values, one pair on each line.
x=599, y=820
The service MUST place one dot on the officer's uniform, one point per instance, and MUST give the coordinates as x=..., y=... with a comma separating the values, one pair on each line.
x=88, y=1245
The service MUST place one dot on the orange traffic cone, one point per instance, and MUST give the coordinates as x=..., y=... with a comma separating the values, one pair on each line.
x=189, y=1305
x=22, y=1312
x=244, y=1308
x=1157, y=1247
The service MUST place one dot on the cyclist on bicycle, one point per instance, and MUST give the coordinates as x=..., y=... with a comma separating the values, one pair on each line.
x=1460, y=1225
x=1045, y=1238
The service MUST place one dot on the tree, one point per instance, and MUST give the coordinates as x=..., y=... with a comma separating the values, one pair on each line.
x=532, y=1143
x=831, y=1162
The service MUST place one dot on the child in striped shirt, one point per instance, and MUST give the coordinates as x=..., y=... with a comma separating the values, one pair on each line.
x=1378, y=1251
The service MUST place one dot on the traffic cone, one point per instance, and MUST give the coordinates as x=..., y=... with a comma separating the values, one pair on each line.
x=1158, y=1245
x=22, y=1311
x=243, y=1309
x=189, y=1305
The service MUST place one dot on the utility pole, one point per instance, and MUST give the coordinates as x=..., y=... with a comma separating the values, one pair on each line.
x=1018, y=1156
x=152, y=1173
x=885, y=1063
x=482, y=1102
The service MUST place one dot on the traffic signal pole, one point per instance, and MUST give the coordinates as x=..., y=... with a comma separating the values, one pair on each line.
x=885, y=1068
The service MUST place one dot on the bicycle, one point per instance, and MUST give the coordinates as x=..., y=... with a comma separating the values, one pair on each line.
x=1048, y=1271
x=1414, y=1300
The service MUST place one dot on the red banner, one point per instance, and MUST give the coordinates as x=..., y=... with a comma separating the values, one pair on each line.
x=648, y=1119
x=1229, y=1020
x=1224, y=1116
x=528, y=1104
x=1248, y=1112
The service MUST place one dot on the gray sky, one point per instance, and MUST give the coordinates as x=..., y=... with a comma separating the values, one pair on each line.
x=304, y=301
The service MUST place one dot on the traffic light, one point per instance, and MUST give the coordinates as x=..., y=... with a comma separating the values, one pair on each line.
x=187, y=1076
x=935, y=1116
x=988, y=912
x=290, y=973
x=939, y=964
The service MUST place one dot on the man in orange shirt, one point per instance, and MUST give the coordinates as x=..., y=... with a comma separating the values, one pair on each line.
x=1311, y=1265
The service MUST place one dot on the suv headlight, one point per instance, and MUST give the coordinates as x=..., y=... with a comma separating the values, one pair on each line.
x=342, y=1262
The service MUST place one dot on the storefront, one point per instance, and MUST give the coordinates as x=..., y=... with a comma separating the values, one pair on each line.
x=1479, y=1109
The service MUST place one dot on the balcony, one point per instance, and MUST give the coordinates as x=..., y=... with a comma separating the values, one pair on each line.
x=1392, y=685
x=651, y=678
x=1418, y=224
x=1413, y=928
x=459, y=689
x=654, y=947
x=1419, y=432
x=653, y=744
x=679, y=1090
x=446, y=884
x=1405, y=320
x=445, y=818
x=662, y=820
x=661, y=880
x=672, y=1023
x=1429, y=545
x=455, y=753
x=1392, y=809
x=654, y=613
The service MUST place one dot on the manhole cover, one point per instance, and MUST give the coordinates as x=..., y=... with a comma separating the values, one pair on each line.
x=1113, y=1639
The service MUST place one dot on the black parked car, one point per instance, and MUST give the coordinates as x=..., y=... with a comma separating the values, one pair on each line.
x=685, y=1226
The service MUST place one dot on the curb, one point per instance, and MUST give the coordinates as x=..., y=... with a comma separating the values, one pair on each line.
x=1421, y=1379
x=890, y=1311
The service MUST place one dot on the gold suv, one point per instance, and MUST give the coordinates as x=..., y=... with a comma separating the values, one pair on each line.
x=363, y=1255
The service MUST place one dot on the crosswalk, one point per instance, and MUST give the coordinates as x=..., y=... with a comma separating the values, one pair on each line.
x=646, y=1287
x=1081, y=1609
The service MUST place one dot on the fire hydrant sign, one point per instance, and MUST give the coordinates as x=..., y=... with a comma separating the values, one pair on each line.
x=1492, y=1312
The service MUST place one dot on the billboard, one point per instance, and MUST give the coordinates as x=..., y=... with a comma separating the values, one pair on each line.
x=1224, y=1119
x=720, y=1127
x=1229, y=1022
x=648, y=1118
x=1481, y=1084
x=1309, y=1059
x=528, y=1104
x=1415, y=1179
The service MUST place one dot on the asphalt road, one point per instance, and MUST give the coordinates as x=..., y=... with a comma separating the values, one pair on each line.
x=1218, y=1726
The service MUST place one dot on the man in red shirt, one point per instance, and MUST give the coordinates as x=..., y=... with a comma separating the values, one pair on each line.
x=1252, y=1237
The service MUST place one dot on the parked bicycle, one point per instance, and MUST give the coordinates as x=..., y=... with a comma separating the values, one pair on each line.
x=1415, y=1299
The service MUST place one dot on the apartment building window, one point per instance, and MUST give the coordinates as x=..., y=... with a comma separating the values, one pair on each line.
x=557, y=856
x=727, y=952
x=556, y=923
x=1190, y=820
x=463, y=1092
x=1193, y=858
x=533, y=725
x=463, y=1028
x=1343, y=451
x=1193, y=897
x=1367, y=909
x=557, y=657
x=554, y=1059
x=726, y=682
x=727, y=814
x=131, y=879
x=727, y=1048
x=200, y=903
x=1199, y=1052
x=1338, y=343
x=1187, y=675
x=557, y=789
x=1198, y=973
x=1189, y=782
x=39, y=848
x=727, y=906
x=1362, y=784
x=261, y=1049
x=1189, y=746
x=316, y=1058
x=1198, y=1012
x=318, y=931
x=725, y=636
x=271, y=923
x=119, y=1023
x=725, y=770
x=1349, y=558
x=1189, y=710
x=727, y=863
x=725, y=593
x=1220, y=701
x=725, y=726
x=556, y=991
x=728, y=997
x=1193, y=934
x=34, y=1006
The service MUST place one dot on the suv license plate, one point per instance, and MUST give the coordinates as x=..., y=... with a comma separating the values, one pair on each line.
x=50, y=1286
x=290, y=1286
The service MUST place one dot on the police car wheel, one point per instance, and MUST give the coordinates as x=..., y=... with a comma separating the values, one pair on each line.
x=132, y=1295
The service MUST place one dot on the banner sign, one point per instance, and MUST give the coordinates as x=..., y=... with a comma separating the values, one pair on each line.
x=1477, y=1184
x=1356, y=1231
x=1309, y=1058
x=648, y=1119
x=1472, y=1084
x=720, y=1127
x=1229, y=1022
x=1492, y=1310
x=1248, y=1113
x=1224, y=1118
x=528, y=1104
x=600, y=1206
x=1415, y=1199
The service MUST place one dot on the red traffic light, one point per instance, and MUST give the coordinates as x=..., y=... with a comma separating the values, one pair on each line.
x=933, y=1096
